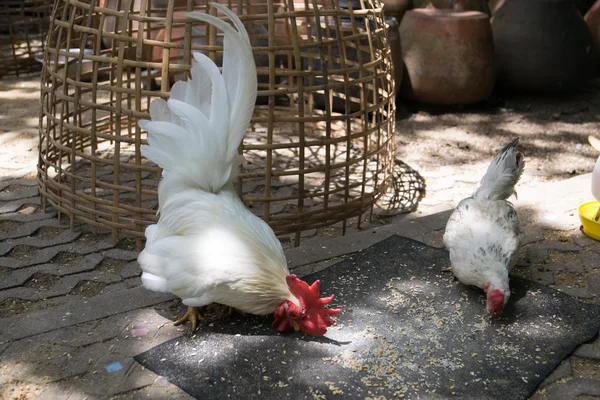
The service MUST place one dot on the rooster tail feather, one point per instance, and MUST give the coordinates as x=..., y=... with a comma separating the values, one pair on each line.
x=194, y=136
x=502, y=175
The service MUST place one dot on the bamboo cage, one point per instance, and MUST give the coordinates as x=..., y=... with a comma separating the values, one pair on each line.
x=320, y=148
x=23, y=29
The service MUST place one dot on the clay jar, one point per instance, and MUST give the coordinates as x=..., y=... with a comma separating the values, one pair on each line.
x=592, y=19
x=542, y=46
x=448, y=56
x=456, y=5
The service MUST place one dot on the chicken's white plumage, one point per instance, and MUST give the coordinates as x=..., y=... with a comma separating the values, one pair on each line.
x=482, y=234
x=483, y=240
x=207, y=247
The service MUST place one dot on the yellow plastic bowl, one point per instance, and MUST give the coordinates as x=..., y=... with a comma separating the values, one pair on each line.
x=587, y=212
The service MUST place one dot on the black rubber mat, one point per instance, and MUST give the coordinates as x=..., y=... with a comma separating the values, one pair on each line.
x=407, y=329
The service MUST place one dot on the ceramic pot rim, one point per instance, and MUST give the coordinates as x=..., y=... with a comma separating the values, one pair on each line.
x=446, y=13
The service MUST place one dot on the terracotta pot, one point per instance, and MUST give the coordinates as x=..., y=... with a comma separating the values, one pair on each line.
x=448, y=56
x=542, y=46
x=456, y=5
x=592, y=19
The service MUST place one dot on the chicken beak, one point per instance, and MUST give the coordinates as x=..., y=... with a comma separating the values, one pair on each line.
x=296, y=326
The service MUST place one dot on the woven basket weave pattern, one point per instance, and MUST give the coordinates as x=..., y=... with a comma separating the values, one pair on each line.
x=320, y=146
x=23, y=29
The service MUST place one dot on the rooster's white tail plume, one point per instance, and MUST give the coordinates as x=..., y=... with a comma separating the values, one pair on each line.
x=194, y=135
x=502, y=175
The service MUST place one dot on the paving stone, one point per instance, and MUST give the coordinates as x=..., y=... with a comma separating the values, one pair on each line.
x=594, y=284
x=562, y=371
x=79, y=362
x=75, y=336
x=41, y=217
x=14, y=205
x=66, y=236
x=21, y=182
x=128, y=345
x=134, y=282
x=45, y=255
x=557, y=267
x=531, y=234
x=29, y=225
x=588, y=350
x=148, y=317
x=131, y=270
x=20, y=276
x=121, y=254
x=573, y=388
x=110, y=385
x=22, y=326
x=575, y=292
x=157, y=392
x=302, y=270
x=536, y=255
x=564, y=247
x=436, y=221
x=546, y=277
x=80, y=395
x=590, y=259
x=115, y=287
x=113, y=364
x=24, y=194
x=409, y=227
x=34, y=349
x=54, y=393
x=581, y=239
x=3, y=346
x=434, y=239
x=60, y=287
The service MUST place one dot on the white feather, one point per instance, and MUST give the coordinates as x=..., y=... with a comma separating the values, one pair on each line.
x=207, y=247
x=502, y=175
x=596, y=180
x=482, y=234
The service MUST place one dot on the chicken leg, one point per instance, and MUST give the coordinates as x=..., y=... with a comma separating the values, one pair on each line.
x=193, y=315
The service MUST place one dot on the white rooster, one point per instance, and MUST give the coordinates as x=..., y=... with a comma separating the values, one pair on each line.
x=207, y=246
x=482, y=234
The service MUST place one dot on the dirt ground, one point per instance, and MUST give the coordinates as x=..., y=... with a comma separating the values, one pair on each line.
x=552, y=130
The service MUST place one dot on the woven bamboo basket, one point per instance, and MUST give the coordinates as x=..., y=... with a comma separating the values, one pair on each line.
x=320, y=148
x=23, y=29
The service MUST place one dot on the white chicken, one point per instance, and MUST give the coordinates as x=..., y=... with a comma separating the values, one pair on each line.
x=207, y=246
x=595, y=142
x=482, y=234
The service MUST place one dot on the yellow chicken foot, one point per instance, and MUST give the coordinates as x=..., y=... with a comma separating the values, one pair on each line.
x=446, y=269
x=193, y=315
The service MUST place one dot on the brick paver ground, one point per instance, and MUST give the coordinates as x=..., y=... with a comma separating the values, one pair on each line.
x=73, y=313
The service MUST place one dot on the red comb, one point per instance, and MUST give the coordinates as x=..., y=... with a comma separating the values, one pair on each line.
x=316, y=318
